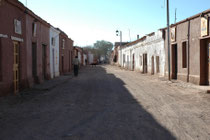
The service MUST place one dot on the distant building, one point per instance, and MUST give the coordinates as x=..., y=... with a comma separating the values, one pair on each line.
x=90, y=58
x=146, y=54
x=116, y=57
x=65, y=53
x=78, y=51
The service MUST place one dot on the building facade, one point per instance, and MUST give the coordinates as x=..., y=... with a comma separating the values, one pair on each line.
x=189, y=49
x=78, y=51
x=146, y=54
x=24, y=41
x=12, y=47
x=65, y=53
x=37, y=46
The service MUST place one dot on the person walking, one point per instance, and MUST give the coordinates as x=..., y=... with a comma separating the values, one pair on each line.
x=76, y=65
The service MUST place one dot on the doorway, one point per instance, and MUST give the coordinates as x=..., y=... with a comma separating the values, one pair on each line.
x=16, y=65
x=204, y=61
x=44, y=62
x=174, y=61
x=153, y=66
x=34, y=61
x=133, y=66
x=53, y=63
x=62, y=64
x=145, y=63
x=157, y=64
x=69, y=61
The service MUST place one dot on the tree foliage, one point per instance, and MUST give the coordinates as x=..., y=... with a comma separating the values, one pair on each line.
x=100, y=49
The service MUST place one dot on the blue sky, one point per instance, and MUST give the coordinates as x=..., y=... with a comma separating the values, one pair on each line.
x=86, y=21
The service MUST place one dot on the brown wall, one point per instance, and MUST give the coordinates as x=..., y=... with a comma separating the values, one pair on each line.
x=66, y=66
x=41, y=38
x=194, y=50
x=8, y=12
x=7, y=15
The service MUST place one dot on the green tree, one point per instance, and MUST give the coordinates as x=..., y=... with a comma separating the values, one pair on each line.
x=103, y=48
x=100, y=49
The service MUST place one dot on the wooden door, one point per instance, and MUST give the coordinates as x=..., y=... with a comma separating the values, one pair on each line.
x=34, y=61
x=174, y=61
x=44, y=61
x=157, y=64
x=144, y=63
x=16, y=65
x=153, y=65
x=62, y=64
x=133, y=62
x=208, y=60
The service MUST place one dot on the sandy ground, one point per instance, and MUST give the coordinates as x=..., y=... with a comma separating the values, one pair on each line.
x=107, y=103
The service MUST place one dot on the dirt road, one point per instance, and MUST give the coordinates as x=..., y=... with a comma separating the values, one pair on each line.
x=107, y=103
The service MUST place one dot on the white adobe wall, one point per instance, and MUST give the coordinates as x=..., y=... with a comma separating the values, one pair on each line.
x=90, y=58
x=54, y=53
x=80, y=57
x=153, y=46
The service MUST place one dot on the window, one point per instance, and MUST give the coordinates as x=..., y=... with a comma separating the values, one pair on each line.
x=53, y=41
x=17, y=25
x=123, y=58
x=63, y=44
x=34, y=25
x=184, y=55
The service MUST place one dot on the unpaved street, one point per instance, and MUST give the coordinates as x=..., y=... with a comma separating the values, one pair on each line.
x=107, y=103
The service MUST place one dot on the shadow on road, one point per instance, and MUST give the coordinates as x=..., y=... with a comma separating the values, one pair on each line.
x=114, y=113
x=93, y=106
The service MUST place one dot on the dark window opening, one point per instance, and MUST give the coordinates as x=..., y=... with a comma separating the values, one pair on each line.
x=184, y=55
x=34, y=29
x=53, y=41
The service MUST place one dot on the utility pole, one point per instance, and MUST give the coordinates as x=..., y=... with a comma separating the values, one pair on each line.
x=175, y=15
x=129, y=35
x=169, y=60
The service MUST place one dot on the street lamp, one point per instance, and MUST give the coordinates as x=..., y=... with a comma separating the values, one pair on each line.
x=119, y=33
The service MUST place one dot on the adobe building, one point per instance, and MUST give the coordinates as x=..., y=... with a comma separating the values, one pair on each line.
x=65, y=53
x=78, y=51
x=189, y=49
x=23, y=35
x=37, y=48
x=85, y=58
x=117, y=54
x=146, y=54
x=12, y=47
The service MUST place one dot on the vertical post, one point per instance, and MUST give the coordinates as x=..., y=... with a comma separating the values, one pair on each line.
x=169, y=60
x=175, y=15
x=120, y=38
x=120, y=48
